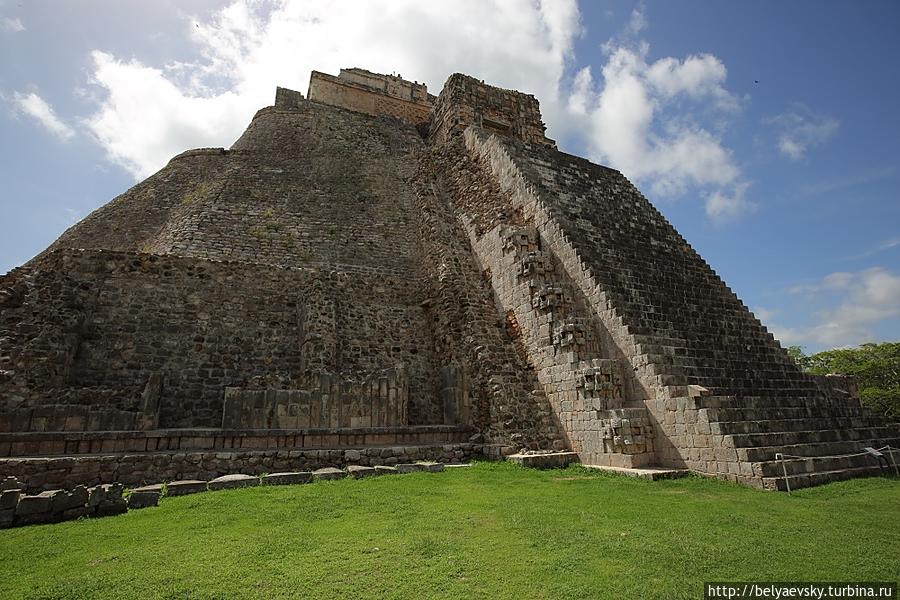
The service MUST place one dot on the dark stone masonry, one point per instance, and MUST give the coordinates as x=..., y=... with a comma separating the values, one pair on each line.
x=372, y=276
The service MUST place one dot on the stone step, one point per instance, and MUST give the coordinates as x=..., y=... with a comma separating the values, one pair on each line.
x=789, y=438
x=774, y=468
x=773, y=402
x=800, y=424
x=813, y=479
x=779, y=413
x=820, y=449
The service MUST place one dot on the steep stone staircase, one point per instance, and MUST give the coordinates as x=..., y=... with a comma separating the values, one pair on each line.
x=724, y=396
x=564, y=343
x=811, y=440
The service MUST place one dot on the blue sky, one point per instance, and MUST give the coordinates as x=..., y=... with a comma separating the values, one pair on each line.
x=767, y=132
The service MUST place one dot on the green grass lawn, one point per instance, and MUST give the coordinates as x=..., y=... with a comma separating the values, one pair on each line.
x=493, y=531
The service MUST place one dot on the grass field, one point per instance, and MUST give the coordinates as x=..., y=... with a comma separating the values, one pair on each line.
x=492, y=531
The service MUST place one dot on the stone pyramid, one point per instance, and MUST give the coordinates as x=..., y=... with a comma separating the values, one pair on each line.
x=372, y=274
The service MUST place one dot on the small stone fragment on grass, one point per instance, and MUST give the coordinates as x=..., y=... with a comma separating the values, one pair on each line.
x=143, y=499
x=228, y=482
x=184, y=487
x=287, y=478
x=431, y=467
x=404, y=468
x=328, y=473
x=32, y=505
x=359, y=471
x=106, y=499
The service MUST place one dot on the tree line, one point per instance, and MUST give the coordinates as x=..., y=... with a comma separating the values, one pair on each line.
x=876, y=368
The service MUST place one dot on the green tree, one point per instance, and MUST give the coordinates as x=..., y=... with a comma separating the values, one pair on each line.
x=799, y=356
x=876, y=368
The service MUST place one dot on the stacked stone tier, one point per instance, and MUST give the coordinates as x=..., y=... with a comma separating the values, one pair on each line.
x=723, y=396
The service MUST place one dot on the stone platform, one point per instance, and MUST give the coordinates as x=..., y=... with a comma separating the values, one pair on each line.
x=549, y=460
x=135, y=469
x=651, y=473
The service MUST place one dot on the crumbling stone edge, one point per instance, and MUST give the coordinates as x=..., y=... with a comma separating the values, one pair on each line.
x=18, y=509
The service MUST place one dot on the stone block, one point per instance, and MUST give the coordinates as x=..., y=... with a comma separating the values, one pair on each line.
x=328, y=473
x=72, y=513
x=11, y=483
x=547, y=460
x=9, y=499
x=227, y=482
x=106, y=499
x=184, y=487
x=156, y=487
x=431, y=467
x=143, y=499
x=386, y=470
x=404, y=468
x=358, y=471
x=30, y=505
x=287, y=478
x=7, y=517
x=63, y=501
x=111, y=507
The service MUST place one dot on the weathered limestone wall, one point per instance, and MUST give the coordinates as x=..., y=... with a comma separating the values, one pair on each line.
x=377, y=399
x=372, y=93
x=487, y=372
x=133, y=221
x=464, y=101
x=287, y=99
x=95, y=327
x=311, y=185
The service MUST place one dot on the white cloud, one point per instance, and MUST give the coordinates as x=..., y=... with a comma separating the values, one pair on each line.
x=643, y=118
x=838, y=281
x=860, y=300
x=800, y=129
x=698, y=76
x=10, y=24
x=722, y=207
x=146, y=118
x=637, y=22
x=581, y=92
x=151, y=113
x=887, y=244
x=37, y=108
